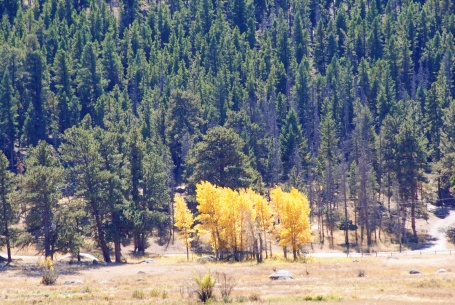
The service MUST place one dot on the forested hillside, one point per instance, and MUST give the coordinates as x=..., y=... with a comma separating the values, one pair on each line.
x=107, y=106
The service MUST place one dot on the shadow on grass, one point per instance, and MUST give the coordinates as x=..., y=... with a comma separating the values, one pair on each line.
x=63, y=268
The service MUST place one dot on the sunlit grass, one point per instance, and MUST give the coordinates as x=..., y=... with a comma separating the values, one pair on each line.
x=166, y=281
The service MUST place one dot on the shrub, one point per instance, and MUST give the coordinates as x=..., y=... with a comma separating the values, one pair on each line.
x=227, y=284
x=254, y=297
x=49, y=276
x=154, y=293
x=204, y=287
x=343, y=224
x=138, y=294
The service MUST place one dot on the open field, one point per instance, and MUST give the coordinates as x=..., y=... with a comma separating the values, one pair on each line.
x=166, y=281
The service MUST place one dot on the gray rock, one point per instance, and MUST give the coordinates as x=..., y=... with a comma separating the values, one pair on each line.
x=105, y=282
x=281, y=275
x=442, y=271
x=205, y=259
x=414, y=271
x=141, y=272
x=73, y=282
x=148, y=261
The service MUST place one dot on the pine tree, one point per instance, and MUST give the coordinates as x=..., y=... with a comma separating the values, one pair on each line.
x=112, y=66
x=68, y=104
x=327, y=156
x=293, y=145
x=82, y=151
x=88, y=79
x=8, y=117
x=411, y=156
x=35, y=66
x=219, y=159
x=182, y=124
x=41, y=191
x=8, y=214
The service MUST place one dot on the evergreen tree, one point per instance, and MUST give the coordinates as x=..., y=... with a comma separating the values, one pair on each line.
x=293, y=145
x=219, y=159
x=8, y=117
x=35, y=67
x=182, y=124
x=88, y=79
x=87, y=172
x=8, y=214
x=41, y=191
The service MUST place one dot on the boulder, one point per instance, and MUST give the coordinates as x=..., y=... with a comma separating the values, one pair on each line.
x=414, y=271
x=73, y=282
x=281, y=275
x=206, y=259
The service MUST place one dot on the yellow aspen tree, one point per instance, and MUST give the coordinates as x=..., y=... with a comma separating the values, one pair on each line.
x=246, y=222
x=293, y=211
x=210, y=209
x=264, y=216
x=184, y=221
x=230, y=210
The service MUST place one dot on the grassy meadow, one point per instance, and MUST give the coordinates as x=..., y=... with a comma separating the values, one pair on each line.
x=170, y=280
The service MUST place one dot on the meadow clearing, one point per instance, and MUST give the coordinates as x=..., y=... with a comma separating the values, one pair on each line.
x=169, y=280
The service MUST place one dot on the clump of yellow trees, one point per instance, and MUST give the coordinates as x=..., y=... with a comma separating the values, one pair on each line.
x=241, y=223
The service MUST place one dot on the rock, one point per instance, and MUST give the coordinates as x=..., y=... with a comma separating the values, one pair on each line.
x=392, y=257
x=181, y=189
x=148, y=261
x=82, y=256
x=73, y=282
x=105, y=282
x=141, y=272
x=281, y=275
x=355, y=261
x=442, y=271
x=414, y=271
x=205, y=259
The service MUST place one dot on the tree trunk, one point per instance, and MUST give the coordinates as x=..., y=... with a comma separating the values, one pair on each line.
x=117, y=250
x=101, y=235
x=46, y=220
x=260, y=260
x=413, y=220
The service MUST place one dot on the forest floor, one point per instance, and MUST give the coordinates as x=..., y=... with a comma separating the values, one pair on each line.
x=163, y=276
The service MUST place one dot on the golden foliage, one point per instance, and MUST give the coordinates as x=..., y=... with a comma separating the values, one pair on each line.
x=184, y=220
x=232, y=217
x=293, y=210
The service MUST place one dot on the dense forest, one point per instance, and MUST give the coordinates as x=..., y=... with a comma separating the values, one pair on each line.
x=107, y=106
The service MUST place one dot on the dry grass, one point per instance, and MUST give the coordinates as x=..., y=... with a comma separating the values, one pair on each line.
x=329, y=280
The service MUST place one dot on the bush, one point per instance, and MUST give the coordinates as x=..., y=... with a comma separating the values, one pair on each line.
x=49, y=276
x=204, y=287
x=350, y=225
x=138, y=294
x=227, y=284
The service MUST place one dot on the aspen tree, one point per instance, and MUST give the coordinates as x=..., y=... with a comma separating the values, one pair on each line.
x=293, y=211
x=184, y=221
